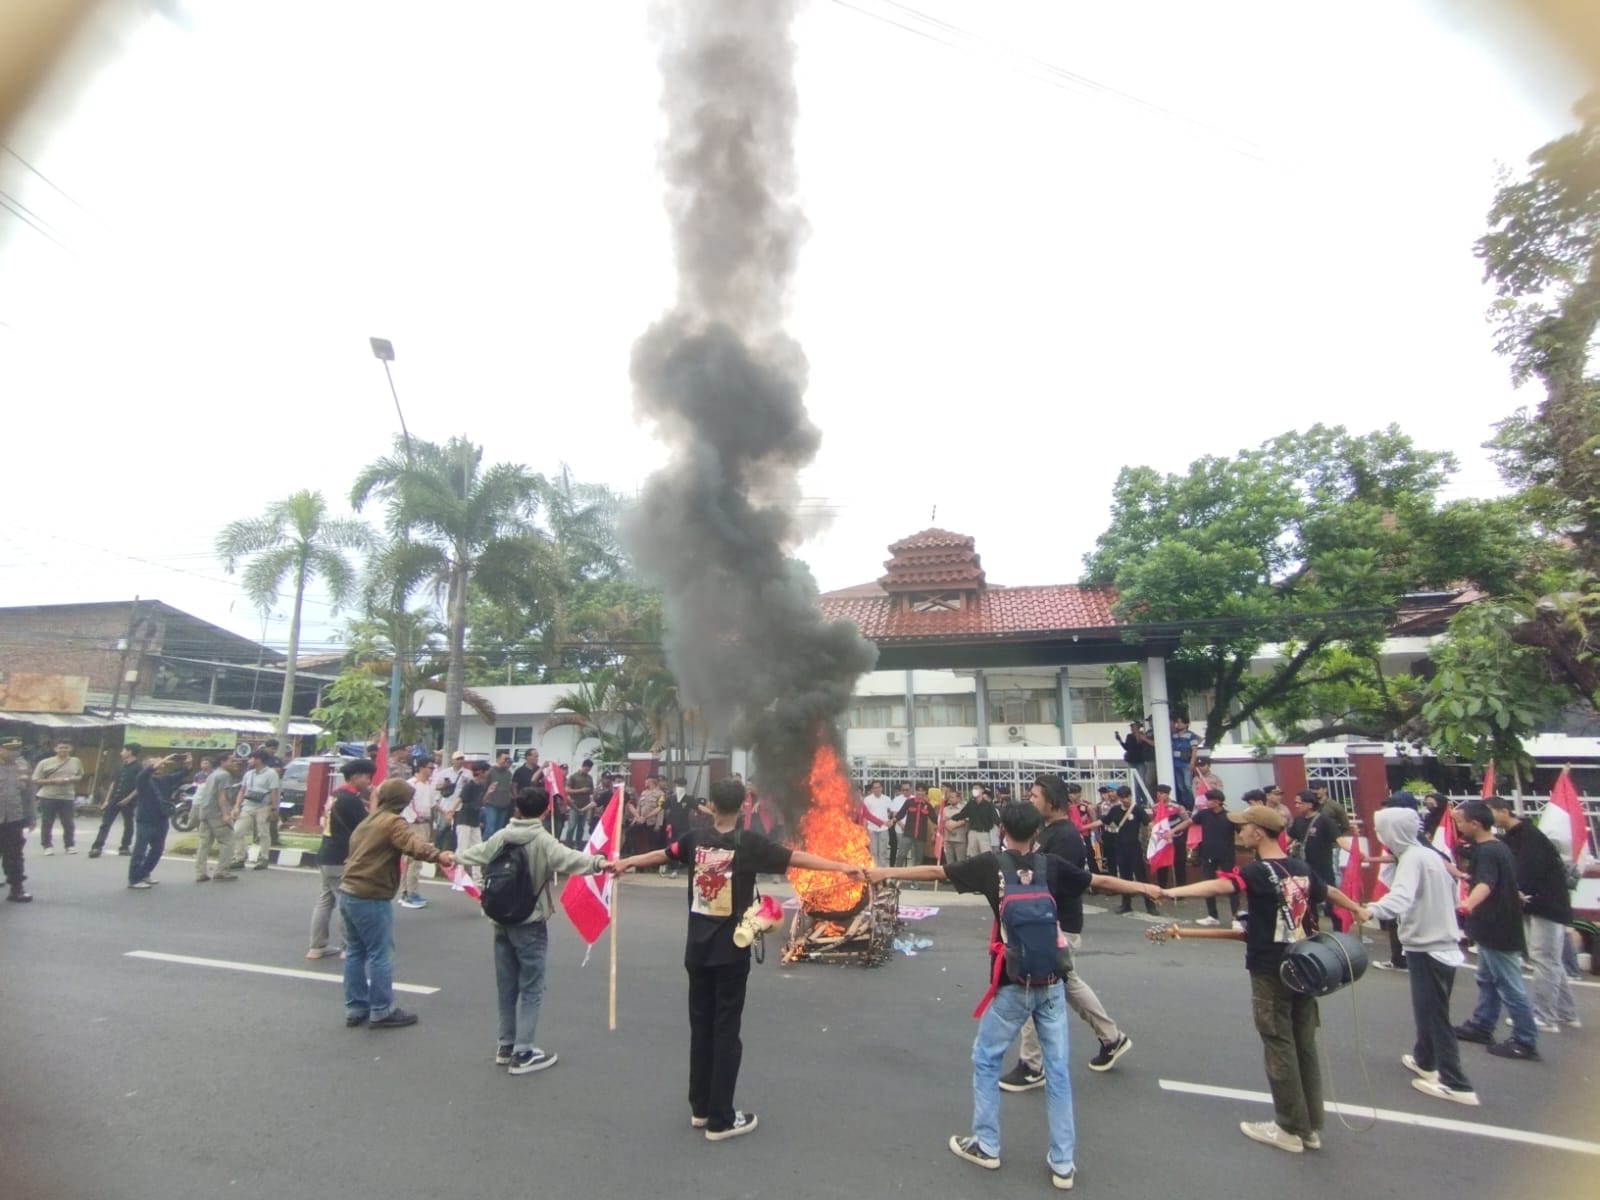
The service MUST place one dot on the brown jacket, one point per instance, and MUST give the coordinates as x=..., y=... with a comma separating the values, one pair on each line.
x=372, y=871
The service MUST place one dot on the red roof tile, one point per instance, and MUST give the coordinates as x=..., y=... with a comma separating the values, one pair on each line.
x=997, y=612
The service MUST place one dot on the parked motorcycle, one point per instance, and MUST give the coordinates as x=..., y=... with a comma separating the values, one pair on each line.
x=183, y=818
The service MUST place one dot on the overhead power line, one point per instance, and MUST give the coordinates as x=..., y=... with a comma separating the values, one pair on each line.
x=935, y=29
x=48, y=181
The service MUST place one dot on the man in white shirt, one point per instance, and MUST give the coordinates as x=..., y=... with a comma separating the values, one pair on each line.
x=418, y=816
x=258, y=797
x=55, y=782
x=877, y=814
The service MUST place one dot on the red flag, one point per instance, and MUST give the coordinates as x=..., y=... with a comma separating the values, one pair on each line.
x=382, y=764
x=1350, y=885
x=1160, y=851
x=1563, y=821
x=586, y=899
x=938, y=834
x=1488, y=781
x=1445, y=840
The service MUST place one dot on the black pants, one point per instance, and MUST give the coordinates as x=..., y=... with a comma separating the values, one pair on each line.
x=11, y=852
x=1436, y=1048
x=1397, y=956
x=1132, y=865
x=51, y=811
x=1210, y=869
x=108, y=818
x=716, y=1008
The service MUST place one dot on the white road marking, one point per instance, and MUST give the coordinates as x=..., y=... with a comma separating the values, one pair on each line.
x=415, y=989
x=1527, y=976
x=1500, y=1132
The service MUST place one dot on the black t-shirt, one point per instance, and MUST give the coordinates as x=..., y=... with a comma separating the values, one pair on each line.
x=345, y=811
x=1123, y=824
x=469, y=809
x=522, y=779
x=981, y=816
x=1216, y=836
x=1060, y=839
x=1318, y=840
x=1261, y=885
x=981, y=874
x=722, y=885
x=1497, y=922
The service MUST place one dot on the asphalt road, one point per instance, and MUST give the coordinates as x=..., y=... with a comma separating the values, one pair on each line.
x=127, y=1078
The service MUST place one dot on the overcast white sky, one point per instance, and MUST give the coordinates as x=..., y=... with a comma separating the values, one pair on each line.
x=1016, y=282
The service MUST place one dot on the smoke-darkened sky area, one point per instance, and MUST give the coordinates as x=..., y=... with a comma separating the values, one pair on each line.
x=724, y=383
x=1044, y=241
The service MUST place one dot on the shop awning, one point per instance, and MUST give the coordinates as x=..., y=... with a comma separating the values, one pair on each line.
x=59, y=720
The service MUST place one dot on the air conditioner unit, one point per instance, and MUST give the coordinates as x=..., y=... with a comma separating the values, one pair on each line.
x=892, y=737
x=1014, y=732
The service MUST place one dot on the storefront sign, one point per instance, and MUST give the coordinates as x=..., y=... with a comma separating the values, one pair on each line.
x=181, y=739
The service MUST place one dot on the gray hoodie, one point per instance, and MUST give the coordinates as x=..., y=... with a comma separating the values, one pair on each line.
x=1422, y=896
x=546, y=856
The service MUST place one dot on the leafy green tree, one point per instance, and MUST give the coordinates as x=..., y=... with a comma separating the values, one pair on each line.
x=1542, y=253
x=453, y=521
x=1488, y=693
x=294, y=541
x=605, y=708
x=354, y=707
x=1308, y=541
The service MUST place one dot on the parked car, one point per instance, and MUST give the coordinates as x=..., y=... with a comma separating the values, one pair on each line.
x=292, y=797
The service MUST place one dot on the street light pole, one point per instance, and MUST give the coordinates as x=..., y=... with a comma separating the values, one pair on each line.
x=383, y=351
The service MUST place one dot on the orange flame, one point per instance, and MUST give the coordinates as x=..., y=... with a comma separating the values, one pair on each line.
x=828, y=831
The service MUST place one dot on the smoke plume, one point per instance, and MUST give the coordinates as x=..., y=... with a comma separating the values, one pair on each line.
x=725, y=386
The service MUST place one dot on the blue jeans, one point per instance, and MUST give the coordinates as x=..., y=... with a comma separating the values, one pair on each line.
x=1500, y=980
x=1012, y=1005
x=519, y=954
x=369, y=956
x=577, y=829
x=494, y=820
x=149, y=840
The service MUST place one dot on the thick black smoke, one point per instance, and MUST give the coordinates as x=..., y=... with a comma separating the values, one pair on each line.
x=725, y=386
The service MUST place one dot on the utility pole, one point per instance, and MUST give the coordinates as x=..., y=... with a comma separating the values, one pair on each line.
x=122, y=663
x=383, y=351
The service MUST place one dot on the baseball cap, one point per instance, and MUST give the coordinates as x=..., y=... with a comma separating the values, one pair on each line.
x=1267, y=818
x=458, y=756
x=1401, y=800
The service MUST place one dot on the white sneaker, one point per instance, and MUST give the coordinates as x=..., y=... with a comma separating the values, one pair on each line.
x=1539, y=1023
x=1575, y=1023
x=1270, y=1133
x=1410, y=1064
x=49, y=851
x=1209, y=922
x=70, y=850
x=1432, y=1087
x=1312, y=1141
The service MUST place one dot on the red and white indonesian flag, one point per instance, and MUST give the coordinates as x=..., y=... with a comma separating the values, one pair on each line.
x=461, y=881
x=555, y=780
x=1563, y=821
x=1444, y=841
x=586, y=899
x=1160, y=851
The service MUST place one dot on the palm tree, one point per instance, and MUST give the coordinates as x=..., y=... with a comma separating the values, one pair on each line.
x=294, y=538
x=451, y=519
x=601, y=708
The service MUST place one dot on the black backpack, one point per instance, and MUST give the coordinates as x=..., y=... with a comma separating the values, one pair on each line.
x=508, y=896
x=1026, y=930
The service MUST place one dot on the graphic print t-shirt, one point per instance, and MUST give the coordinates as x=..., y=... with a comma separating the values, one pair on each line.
x=1265, y=883
x=722, y=885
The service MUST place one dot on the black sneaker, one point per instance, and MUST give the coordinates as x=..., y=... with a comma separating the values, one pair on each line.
x=352, y=1020
x=1020, y=1079
x=1110, y=1052
x=1514, y=1050
x=395, y=1018
x=18, y=896
x=526, y=1062
x=95, y=851
x=502, y=1054
x=968, y=1148
x=743, y=1123
x=1471, y=1033
x=124, y=852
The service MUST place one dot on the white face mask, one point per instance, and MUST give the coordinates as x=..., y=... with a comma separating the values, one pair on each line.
x=977, y=793
x=680, y=792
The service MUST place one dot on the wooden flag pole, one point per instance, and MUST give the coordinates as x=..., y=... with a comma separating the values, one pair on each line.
x=616, y=895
